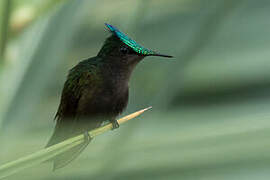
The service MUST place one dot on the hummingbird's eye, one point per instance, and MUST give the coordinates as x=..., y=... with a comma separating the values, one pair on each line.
x=124, y=50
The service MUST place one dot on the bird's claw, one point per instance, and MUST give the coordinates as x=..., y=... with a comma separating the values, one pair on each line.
x=87, y=137
x=115, y=124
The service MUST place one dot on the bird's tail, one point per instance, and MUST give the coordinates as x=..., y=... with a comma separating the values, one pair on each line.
x=60, y=134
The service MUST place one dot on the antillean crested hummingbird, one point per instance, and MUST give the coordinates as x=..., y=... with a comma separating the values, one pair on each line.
x=96, y=90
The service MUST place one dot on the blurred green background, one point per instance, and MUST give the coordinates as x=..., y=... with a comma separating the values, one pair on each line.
x=210, y=116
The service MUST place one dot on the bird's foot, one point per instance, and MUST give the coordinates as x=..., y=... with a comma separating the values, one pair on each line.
x=115, y=124
x=87, y=137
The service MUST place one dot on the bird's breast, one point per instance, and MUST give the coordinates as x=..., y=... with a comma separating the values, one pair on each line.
x=114, y=99
x=110, y=96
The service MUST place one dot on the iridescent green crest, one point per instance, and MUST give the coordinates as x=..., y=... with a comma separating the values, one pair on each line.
x=128, y=41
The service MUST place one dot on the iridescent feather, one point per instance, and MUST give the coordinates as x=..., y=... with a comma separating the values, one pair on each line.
x=130, y=42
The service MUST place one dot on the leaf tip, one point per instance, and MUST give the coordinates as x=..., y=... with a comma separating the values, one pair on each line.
x=150, y=107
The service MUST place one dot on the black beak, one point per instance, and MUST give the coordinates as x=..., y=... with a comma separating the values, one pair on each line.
x=161, y=55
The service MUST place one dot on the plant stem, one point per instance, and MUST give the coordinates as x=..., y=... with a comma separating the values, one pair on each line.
x=52, y=151
x=5, y=28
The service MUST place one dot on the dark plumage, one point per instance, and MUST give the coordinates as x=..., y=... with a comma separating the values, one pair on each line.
x=96, y=90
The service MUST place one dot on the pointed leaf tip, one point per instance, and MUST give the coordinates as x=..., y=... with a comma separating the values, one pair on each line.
x=150, y=107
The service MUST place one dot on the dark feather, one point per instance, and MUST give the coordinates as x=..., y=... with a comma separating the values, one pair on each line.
x=96, y=90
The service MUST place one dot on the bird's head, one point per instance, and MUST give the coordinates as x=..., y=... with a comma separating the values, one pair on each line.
x=121, y=49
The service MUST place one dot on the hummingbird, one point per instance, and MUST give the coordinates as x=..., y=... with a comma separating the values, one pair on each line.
x=96, y=91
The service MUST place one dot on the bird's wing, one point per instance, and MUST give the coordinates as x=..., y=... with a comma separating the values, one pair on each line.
x=81, y=82
x=73, y=90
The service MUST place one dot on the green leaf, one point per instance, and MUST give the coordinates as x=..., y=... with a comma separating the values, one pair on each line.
x=50, y=152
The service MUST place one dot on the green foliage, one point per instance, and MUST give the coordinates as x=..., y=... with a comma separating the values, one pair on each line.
x=52, y=151
x=211, y=103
